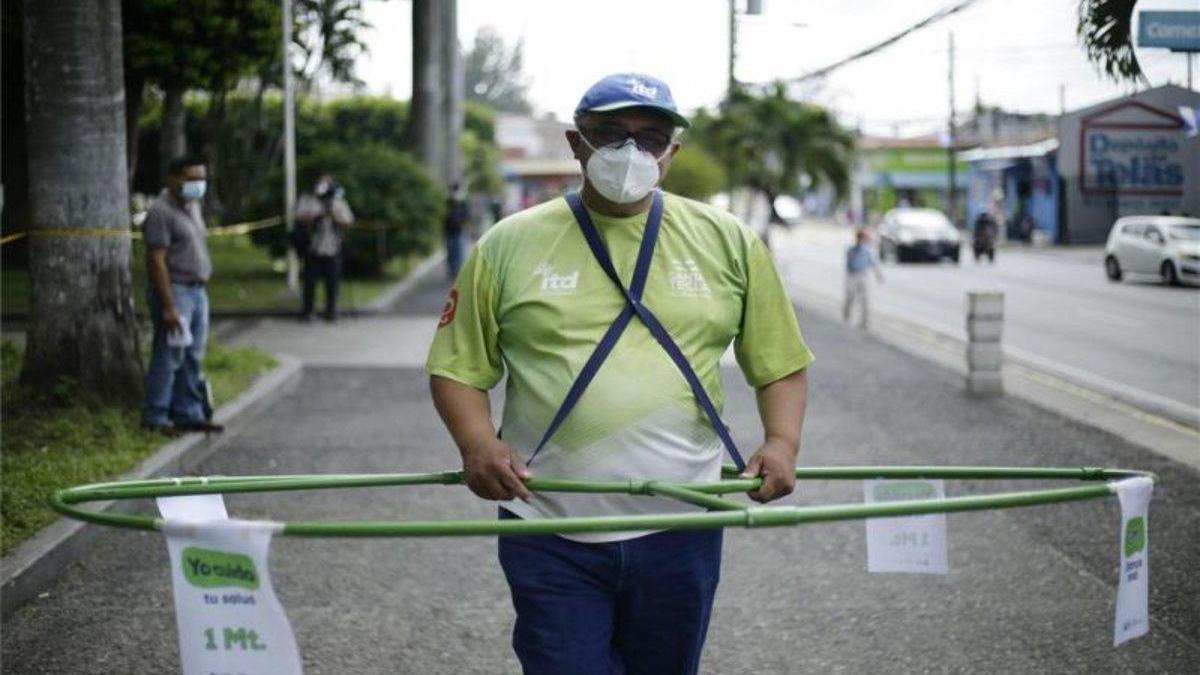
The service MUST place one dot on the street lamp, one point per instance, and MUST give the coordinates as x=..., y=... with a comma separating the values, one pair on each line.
x=753, y=8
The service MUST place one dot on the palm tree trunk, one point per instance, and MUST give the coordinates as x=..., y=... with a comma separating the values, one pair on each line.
x=173, y=142
x=82, y=327
x=214, y=127
x=425, y=124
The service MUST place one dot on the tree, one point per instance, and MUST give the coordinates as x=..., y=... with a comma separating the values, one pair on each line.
x=1105, y=28
x=82, y=328
x=778, y=146
x=199, y=44
x=695, y=173
x=493, y=73
x=327, y=34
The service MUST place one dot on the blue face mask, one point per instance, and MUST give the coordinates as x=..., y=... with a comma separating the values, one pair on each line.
x=193, y=190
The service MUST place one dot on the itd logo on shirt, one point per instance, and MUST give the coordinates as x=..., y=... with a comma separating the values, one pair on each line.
x=685, y=279
x=553, y=282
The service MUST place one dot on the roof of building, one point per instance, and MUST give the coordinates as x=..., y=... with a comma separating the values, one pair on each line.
x=1039, y=149
x=887, y=142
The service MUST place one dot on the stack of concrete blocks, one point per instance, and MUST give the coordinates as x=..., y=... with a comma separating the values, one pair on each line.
x=985, y=356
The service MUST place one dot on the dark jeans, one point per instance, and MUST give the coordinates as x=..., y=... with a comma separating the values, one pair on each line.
x=328, y=268
x=454, y=253
x=634, y=606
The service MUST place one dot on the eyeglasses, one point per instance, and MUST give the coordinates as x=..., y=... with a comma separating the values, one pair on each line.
x=651, y=140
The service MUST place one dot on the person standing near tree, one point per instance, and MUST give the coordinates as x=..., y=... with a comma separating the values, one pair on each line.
x=320, y=217
x=457, y=215
x=538, y=297
x=179, y=268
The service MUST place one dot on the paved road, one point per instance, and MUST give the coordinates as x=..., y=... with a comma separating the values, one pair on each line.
x=1030, y=590
x=1058, y=308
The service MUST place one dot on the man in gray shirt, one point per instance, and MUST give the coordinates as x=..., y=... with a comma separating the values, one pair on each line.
x=179, y=266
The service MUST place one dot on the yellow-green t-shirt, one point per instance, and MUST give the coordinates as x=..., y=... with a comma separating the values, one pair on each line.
x=531, y=300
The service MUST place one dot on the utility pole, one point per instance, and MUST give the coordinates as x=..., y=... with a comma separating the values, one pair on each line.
x=1062, y=99
x=753, y=7
x=289, y=149
x=732, y=47
x=952, y=140
x=425, y=121
x=452, y=92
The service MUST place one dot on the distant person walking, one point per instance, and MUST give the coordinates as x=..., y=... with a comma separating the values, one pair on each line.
x=179, y=267
x=983, y=239
x=320, y=217
x=457, y=215
x=860, y=260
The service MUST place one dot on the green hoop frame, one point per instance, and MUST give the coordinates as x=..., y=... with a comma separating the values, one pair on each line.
x=721, y=512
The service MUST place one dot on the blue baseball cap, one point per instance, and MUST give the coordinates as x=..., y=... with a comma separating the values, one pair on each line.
x=630, y=90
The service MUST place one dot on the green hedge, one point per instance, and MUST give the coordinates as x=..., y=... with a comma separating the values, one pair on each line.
x=397, y=205
x=359, y=139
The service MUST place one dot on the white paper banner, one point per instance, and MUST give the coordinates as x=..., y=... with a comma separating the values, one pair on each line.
x=225, y=606
x=906, y=543
x=1133, y=606
x=193, y=508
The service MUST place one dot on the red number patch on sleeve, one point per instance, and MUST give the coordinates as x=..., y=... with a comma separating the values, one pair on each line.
x=450, y=309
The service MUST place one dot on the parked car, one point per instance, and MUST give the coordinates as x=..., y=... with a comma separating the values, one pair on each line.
x=1164, y=246
x=918, y=234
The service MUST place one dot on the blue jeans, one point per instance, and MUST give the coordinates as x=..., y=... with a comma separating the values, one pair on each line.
x=174, y=392
x=634, y=606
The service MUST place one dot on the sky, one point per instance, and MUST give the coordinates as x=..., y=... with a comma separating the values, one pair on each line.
x=1011, y=53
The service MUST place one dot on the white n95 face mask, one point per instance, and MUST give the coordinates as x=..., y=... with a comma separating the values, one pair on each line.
x=623, y=174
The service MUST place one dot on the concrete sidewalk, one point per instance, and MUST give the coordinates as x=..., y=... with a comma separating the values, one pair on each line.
x=1030, y=590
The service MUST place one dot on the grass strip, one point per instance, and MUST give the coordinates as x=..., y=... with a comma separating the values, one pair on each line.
x=56, y=442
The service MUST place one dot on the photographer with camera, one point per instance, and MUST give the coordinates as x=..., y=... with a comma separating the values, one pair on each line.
x=317, y=236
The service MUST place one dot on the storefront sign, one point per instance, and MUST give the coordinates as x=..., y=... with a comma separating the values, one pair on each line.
x=1132, y=149
x=1177, y=31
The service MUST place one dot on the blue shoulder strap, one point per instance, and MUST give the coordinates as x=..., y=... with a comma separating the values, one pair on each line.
x=633, y=306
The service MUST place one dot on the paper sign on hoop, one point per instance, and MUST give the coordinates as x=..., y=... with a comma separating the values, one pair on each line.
x=1133, y=607
x=225, y=606
x=906, y=543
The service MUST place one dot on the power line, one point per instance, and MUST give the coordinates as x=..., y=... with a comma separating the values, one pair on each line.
x=927, y=21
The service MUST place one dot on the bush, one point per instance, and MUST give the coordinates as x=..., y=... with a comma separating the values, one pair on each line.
x=397, y=205
x=694, y=174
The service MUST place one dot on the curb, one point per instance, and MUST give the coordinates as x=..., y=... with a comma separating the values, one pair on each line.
x=38, y=562
x=395, y=293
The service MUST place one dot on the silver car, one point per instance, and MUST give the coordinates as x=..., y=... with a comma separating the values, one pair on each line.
x=1167, y=247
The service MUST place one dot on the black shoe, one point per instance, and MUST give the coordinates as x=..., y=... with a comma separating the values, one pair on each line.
x=204, y=426
x=168, y=430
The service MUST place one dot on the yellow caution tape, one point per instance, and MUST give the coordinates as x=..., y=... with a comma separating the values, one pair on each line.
x=222, y=231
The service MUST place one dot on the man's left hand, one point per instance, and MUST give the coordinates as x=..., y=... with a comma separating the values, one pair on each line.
x=775, y=462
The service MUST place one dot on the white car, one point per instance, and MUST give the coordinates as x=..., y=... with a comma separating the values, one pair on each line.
x=1164, y=246
x=918, y=234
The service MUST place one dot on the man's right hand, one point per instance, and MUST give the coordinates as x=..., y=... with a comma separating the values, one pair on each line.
x=493, y=470
x=171, y=320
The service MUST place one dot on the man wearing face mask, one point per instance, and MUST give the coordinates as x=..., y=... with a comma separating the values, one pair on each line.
x=610, y=310
x=179, y=267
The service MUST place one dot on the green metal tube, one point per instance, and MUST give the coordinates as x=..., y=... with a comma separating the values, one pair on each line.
x=726, y=513
x=693, y=497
